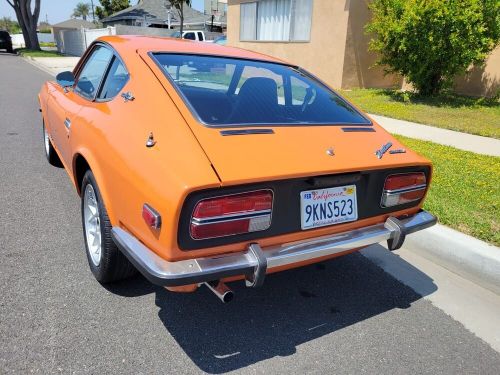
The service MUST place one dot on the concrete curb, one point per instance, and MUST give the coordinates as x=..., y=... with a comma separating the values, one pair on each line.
x=464, y=255
x=36, y=64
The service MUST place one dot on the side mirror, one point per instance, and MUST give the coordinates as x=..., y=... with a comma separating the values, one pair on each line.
x=65, y=79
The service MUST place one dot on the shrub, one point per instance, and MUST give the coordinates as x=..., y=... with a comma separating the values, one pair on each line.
x=431, y=41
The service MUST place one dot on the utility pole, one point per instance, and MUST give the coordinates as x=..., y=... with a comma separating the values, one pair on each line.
x=168, y=6
x=93, y=14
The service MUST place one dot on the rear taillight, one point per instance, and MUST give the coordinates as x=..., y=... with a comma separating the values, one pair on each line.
x=232, y=214
x=403, y=188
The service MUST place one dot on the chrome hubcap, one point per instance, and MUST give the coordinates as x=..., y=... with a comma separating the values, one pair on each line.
x=46, y=140
x=92, y=224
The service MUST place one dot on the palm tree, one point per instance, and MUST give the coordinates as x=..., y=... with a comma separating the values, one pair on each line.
x=179, y=5
x=81, y=10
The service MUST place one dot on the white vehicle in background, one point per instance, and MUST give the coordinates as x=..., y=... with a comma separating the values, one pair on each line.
x=197, y=35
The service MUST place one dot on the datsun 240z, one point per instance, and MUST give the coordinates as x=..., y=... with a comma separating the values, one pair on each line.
x=201, y=164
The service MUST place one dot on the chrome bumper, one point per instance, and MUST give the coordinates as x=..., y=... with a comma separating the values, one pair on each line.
x=254, y=263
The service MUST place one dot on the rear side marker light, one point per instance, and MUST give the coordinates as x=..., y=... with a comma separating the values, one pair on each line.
x=232, y=214
x=403, y=188
x=151, y=216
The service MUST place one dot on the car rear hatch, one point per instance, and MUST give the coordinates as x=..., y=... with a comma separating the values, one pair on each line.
x=299, y=151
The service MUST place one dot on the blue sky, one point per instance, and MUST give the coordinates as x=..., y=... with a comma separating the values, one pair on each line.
x=60, y=10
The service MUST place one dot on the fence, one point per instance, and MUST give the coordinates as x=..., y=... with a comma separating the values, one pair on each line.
x=136, y=30
x=74, y=42
x=18, y=39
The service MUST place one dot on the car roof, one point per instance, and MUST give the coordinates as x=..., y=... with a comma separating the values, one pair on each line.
x=125, y=44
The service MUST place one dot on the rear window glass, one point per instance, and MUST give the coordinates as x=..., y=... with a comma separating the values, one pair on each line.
x=225, y=91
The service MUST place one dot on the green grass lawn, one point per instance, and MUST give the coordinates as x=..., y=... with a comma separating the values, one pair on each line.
x=465, y=189
x=470, y=115
x=30, y=53
x=47, y=44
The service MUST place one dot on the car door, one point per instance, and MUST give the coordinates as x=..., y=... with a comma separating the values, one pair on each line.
x=84, y=94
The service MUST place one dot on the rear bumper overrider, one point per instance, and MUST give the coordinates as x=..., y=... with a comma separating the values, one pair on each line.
x=254, y=263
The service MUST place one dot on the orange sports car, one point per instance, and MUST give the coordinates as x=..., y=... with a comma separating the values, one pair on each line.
x=201, y=164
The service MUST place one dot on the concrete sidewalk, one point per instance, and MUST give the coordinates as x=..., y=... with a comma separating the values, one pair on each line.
x=463, y=141
x=54, y=65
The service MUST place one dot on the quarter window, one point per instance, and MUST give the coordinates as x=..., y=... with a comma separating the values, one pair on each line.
x=276, y=20
x=93, y=71
x=116, y=78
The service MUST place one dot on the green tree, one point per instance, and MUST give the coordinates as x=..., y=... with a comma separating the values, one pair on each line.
x=28, y=20
x=431, y=41
x=6, y=23
x=179, y=6
x=108, y=7
x=81, y=10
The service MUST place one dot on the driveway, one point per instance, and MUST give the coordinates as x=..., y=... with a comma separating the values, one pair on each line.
x=341, y=316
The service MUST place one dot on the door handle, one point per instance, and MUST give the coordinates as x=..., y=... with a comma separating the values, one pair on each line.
x=67, y=123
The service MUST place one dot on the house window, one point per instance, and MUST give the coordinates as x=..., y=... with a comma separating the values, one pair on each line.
x=276, y=20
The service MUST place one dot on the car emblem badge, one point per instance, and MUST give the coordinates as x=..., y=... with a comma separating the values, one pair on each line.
x=398, y=151
x=330, y=152
x=127, y=96
x=383, y=150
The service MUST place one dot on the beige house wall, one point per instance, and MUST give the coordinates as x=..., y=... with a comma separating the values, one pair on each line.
x=322, y=56
x=338, y=50
x=358, y=67
x=481, y=81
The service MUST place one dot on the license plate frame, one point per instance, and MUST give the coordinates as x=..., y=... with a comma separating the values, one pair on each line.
x=319, y=205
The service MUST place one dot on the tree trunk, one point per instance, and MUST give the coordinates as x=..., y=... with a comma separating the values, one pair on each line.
x=33, y=36
x=28, y=21
x=24, y=30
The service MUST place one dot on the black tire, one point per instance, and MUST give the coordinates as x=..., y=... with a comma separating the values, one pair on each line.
x=50, y=153
x=112, y=265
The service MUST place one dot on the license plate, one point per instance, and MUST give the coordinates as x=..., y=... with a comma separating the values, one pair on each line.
x=322, y=207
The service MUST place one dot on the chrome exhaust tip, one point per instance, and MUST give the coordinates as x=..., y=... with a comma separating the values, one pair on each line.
x=221, y=290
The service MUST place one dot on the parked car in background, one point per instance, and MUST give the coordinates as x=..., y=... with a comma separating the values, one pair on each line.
x=6, y=41
x=222, y=40
x=197, y=35
x=205, y=164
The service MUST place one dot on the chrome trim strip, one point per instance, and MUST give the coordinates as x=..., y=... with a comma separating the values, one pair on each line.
x=406, y=190
x=232, y=217
x=389, y=193
x=226, y=133
x=358, y=130
x=162, y=272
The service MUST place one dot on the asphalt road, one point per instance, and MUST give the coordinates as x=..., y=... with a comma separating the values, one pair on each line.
x=343, y=316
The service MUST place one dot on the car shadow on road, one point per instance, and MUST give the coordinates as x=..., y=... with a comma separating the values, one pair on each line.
x=292, y=308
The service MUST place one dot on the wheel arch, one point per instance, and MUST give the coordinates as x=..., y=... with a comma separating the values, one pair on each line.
x=82, y=162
